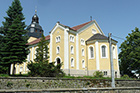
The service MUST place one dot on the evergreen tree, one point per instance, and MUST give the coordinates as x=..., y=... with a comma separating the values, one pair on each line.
x=41, y=66
x=14, y=39
x=42, y=50
x=130, y=54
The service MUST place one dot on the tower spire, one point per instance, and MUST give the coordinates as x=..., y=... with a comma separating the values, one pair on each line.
x=35, y=9
x=90, y=18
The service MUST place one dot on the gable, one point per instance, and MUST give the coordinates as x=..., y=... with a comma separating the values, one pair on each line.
x=90, y=24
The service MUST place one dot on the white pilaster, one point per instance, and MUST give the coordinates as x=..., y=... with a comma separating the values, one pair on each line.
x=24, y=67
x=97, y=56
x=66, y=49
x=51, y=47
x=77, y=51
x=32, y=53
x=11, y=69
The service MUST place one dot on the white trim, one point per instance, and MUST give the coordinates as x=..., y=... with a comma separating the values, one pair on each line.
x=57, y=51
x=88, y=25
x=66, y=49
x=89, y=53
x=77, y=51
x=105, y=50
x=55, y=27
x=117, y=60
x=72, y=64
x=97, y=56
x=72, y=51
x=114, y=51
x=83, y=52
x=11, y=71
x=35, y=52
x=24, y=67
x=50, y=47
x=98, y=29
x=32, y=53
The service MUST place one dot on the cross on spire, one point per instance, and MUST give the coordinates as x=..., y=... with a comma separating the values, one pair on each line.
x=35, y=9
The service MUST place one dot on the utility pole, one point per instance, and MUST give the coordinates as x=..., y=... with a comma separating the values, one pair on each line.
x=111, y=61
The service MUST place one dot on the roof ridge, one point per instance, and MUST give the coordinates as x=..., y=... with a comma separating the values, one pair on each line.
x=81, y=25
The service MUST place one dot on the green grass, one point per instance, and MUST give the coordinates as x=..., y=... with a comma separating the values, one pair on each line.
x=4, y=75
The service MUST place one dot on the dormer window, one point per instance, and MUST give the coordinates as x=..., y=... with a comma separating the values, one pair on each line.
x=71, y=38
x=94, y=31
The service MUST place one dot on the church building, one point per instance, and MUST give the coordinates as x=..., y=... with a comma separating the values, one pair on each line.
x=83, y=49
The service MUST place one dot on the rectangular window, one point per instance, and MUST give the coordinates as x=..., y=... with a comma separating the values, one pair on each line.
x=105, y=73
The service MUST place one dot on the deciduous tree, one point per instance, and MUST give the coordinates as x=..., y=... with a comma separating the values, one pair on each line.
x=130, y=54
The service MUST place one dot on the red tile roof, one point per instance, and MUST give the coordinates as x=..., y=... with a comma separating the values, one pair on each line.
x=37, y=40
x=48, y=37
x=80, y=26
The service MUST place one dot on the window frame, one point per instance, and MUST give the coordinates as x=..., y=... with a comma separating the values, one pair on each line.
x=58, y=51
x=58, y=39
x=72, y=51
x=83, y=65
x=89, y=50
x=72, y=62
x=71, y=38
x=82, y=43
x=83, y=52
x=106, y=52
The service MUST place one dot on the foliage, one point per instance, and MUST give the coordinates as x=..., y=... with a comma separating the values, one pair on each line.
x=14, y=39
x=125, y=77
x=41, y=67
x=98, y=74
x=130, y=54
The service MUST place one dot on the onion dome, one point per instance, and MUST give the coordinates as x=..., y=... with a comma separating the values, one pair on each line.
x=34, y=29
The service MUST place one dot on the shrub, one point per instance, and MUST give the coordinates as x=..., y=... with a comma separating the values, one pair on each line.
x=98, y=74
x=125, y=77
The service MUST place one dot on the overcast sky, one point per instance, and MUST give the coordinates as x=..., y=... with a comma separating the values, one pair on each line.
x=116, y=16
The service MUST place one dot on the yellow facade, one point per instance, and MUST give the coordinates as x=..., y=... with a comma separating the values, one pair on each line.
x=73, y=49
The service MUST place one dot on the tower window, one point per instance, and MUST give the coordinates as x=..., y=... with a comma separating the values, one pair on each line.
x=32, y=30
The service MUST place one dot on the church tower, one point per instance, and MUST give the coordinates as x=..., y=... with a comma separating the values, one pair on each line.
x=35, y=30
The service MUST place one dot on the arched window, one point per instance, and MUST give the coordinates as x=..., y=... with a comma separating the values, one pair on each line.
x=83, y=64
x=91, y=52
x=57, y=50
x=104, y=51
x=72, y=49
x=72, y=62
x=83, y=52
x=114, y=52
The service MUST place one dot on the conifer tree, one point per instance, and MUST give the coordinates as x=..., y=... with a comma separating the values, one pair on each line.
x=41, y=66
x=14, y=39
